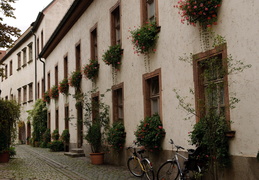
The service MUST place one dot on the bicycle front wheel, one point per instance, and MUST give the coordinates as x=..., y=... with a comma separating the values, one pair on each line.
x=168, y=171
x=149, y=173
x=134, y=167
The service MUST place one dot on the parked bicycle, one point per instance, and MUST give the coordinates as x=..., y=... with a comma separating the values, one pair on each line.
x=171, y=169
x=139, y=165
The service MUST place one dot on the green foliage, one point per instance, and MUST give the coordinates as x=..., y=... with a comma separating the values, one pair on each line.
x=144, y=38
x=113, y=56
x=209, y=133
x=63, y=86
x=12, y=151
x=54, y=93
x=202, y=11
x=75, y=79
x=116, y=136
x=9, y=115
x=38, y=115
x=65, y=136
x=91, y=70
x=96, y=119
x=150, y=133
x=56, y=146
x=46, y=139
x=55, y=134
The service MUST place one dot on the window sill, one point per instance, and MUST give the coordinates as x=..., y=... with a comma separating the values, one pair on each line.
x=30, y=101
x=29, y=61
x=18, y=69
x=24, y=65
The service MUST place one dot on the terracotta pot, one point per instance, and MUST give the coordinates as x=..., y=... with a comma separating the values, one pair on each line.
x=97, y=158
x=4, y=157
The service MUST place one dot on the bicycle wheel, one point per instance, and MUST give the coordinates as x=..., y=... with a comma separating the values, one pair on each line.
x=149, y=173
x=193, y=174
x=134, y=167
x=168, y=171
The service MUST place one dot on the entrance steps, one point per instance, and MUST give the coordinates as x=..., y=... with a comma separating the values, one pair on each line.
x=75, y=152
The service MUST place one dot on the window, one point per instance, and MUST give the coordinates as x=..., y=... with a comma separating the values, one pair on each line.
x=117, y=101
x=149, y=10
x=38, y=90
x=38, y=46
x=95, y=106
x=11, y=67
x=24, y=52
x=6, y=71
x=30, y=52
x=41, y=39
x=211, y=84
x=66, y=117
x=152, y=93
x=78, y=57
x=19, y=96
x=24, y=94
x=65, y=67
x=94, y=47
x=56, y=75
x=42, y=87
x=57, y=119
x=30, y=92
x=115, y=25
x=48, y=76
x=19, y=61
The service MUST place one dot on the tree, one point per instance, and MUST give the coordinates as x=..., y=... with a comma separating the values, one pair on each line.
x=7, y=32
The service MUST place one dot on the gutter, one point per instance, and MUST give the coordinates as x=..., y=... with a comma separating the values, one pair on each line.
x=35, y=57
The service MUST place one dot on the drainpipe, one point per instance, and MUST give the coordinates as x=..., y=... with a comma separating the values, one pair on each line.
x=35, y=56
x=43, y=74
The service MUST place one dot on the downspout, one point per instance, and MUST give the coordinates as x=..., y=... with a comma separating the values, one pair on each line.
x=35, y=56
x=43, y=73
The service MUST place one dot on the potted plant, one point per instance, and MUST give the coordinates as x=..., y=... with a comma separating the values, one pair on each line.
x=91, y=70
x=144, y=38
x=54, y=92
x=46, y=97
x=63, y=86
x=75, y=79
x=96, y=120
x=65, y=137
x=150, y=133
x=113, y=56
x=203, y=11
x=116, y=136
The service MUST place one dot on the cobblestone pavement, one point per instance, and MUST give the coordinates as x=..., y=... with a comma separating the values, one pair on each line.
x=40, y=163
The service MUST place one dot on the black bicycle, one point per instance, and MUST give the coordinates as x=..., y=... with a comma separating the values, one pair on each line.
x=171, y=169
x=139, y=165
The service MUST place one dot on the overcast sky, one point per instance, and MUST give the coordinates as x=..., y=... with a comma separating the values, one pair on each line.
x=26, y=12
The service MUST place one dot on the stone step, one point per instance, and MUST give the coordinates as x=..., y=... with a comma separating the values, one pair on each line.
x=77, y=150
x=71, y=154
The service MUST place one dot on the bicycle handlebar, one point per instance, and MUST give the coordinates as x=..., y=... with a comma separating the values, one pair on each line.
x=177, y=147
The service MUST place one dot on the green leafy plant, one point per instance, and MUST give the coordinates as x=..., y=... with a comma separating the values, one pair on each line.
x=113, y=56
x=202, y=11
x=116, y=136
x=38, y=115
x=63, y=86
x=75, y=79
x=54, y=93
x=91, y=70
x=96, y=119
x=46, y=97
x=55, y=135
x=56, y=146
x=150, y=133
x=46, y=139
x=65, y=136
x=12, y=151
x=144, y=38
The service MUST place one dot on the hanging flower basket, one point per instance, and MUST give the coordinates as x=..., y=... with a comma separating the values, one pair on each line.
x=144, y=38
x=202, y=11
x=75, y=79
x=63, y=86
x=91, y=70
x=113, y=56
x=46, y=97
x=54, y=92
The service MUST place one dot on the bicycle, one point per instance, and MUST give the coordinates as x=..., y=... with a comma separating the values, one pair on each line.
x=139, y=165
x=171, y=169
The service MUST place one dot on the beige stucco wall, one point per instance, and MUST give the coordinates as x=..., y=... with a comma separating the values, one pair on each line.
x=174, y=40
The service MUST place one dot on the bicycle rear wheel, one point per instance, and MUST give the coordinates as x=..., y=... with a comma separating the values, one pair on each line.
x=149, y=170
x=168, y=171
x=134, y=167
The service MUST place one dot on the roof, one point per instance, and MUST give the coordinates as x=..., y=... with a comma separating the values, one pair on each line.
x=73, y=14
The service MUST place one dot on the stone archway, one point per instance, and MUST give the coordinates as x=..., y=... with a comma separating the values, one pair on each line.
x=28, y=133
x=22, y=132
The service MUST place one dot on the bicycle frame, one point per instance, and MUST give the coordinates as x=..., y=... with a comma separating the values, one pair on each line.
x=177, y=162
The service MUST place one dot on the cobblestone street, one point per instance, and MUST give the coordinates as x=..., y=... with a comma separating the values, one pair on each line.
x=39, y=163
